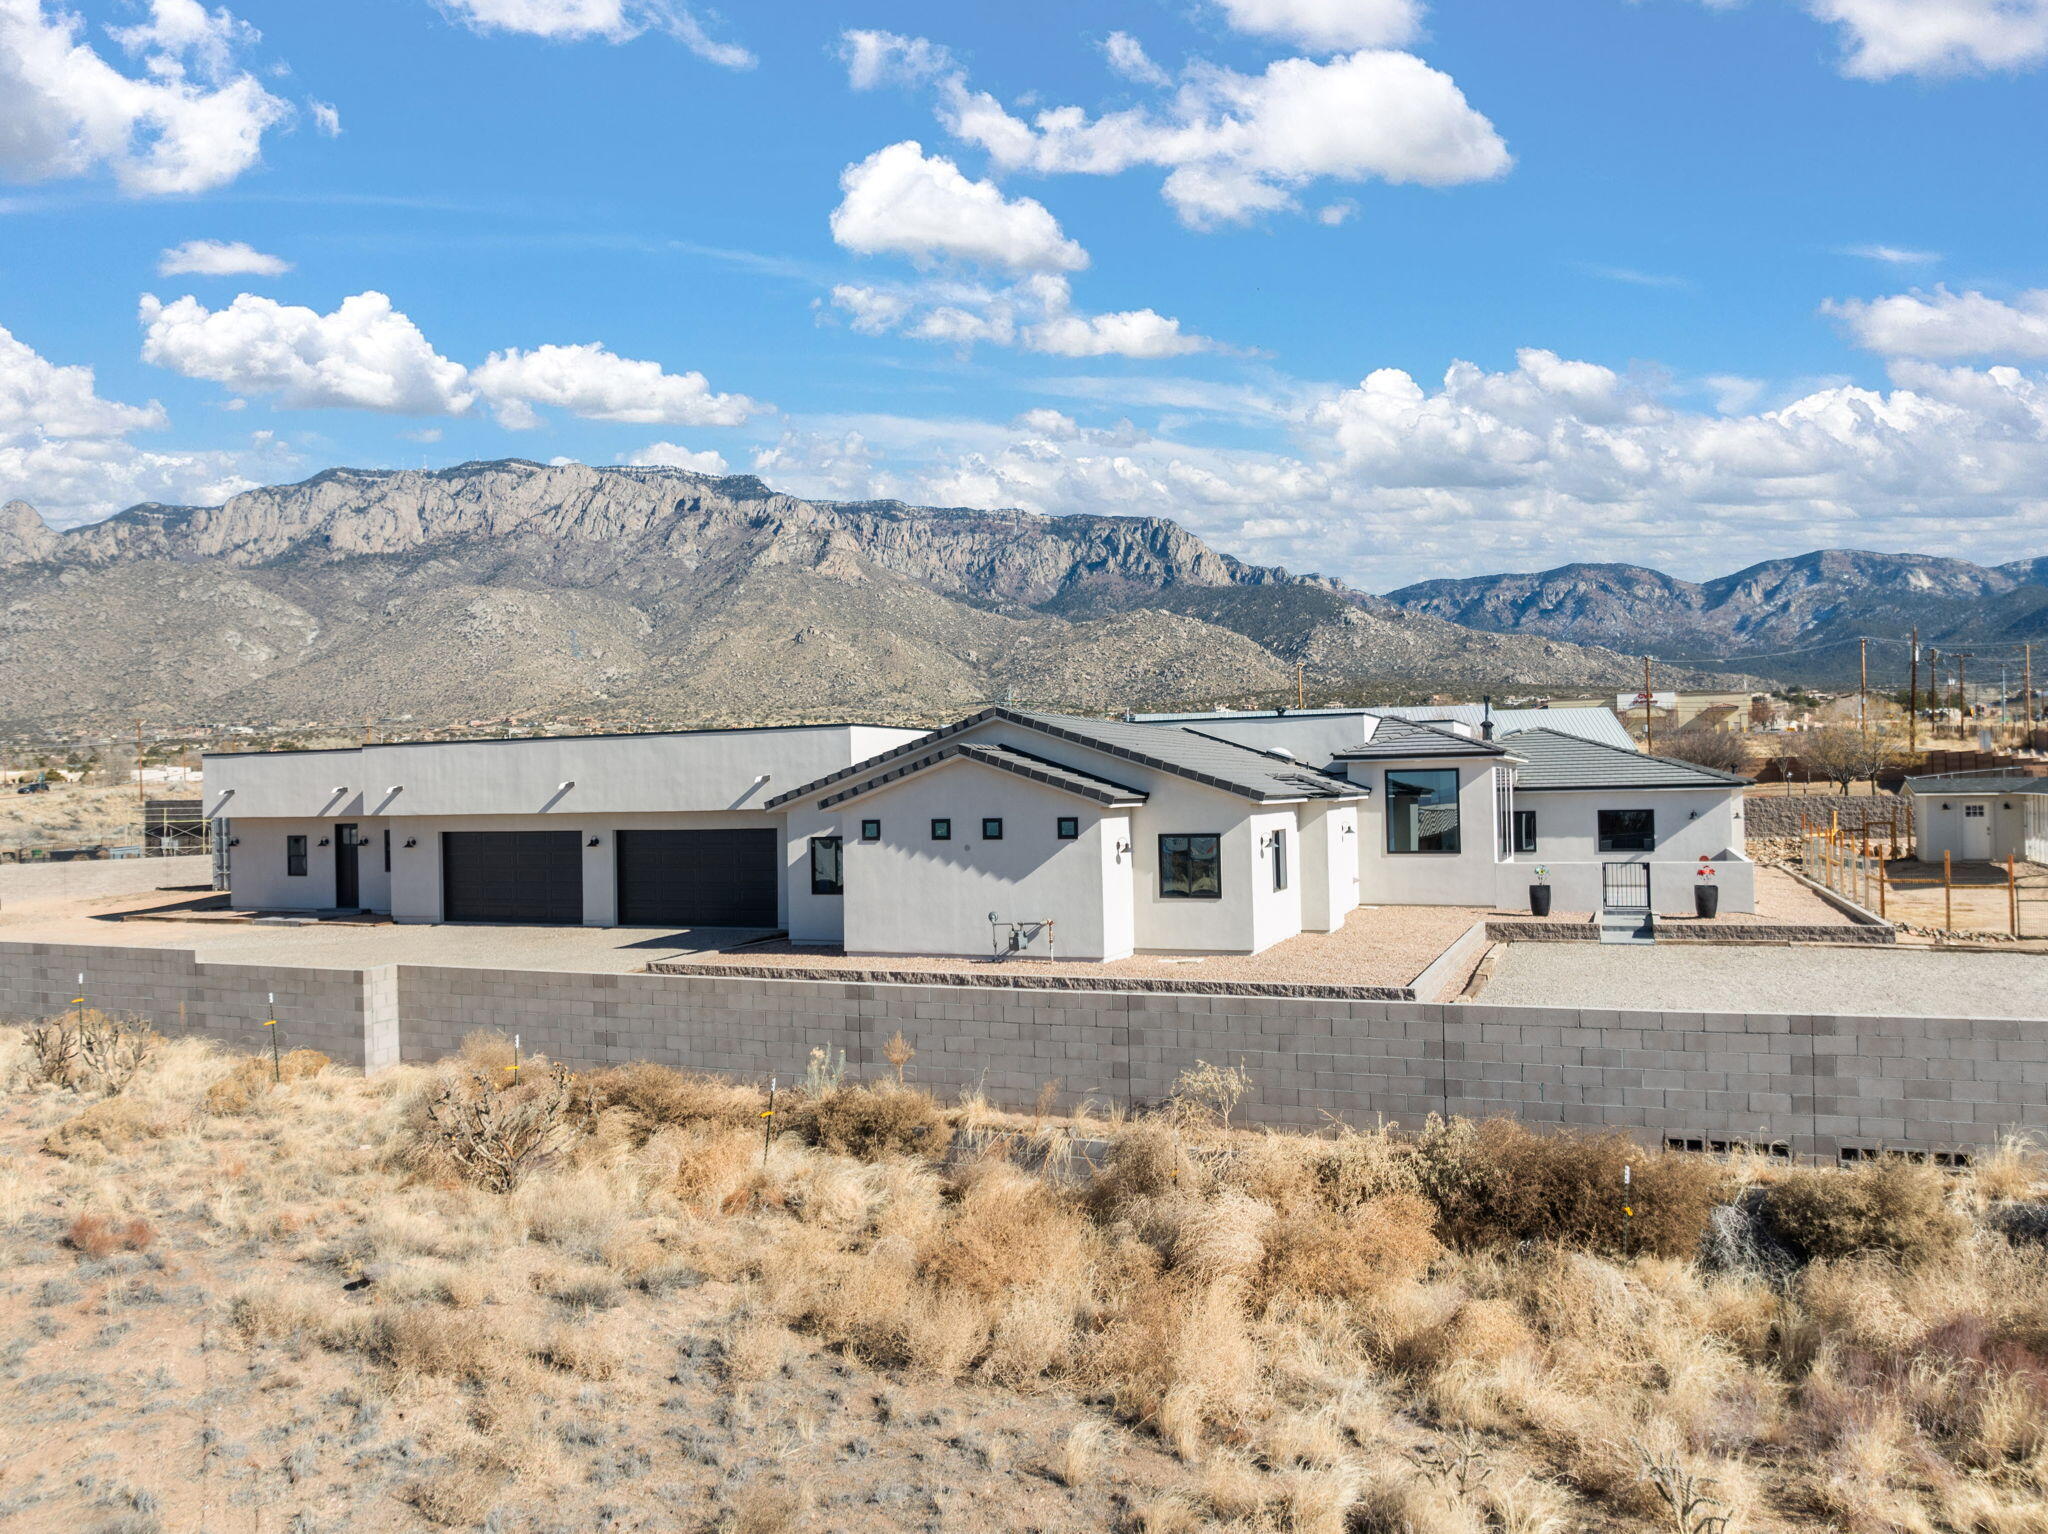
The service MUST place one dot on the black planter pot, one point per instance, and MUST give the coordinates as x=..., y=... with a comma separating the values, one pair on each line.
x=1706, y=899
x=1539, y=900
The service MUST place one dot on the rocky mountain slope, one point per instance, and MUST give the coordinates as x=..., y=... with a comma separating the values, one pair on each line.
x=624, y=592
x=1817, y=603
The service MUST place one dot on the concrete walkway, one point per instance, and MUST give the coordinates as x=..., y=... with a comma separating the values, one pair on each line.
x=1869, y=982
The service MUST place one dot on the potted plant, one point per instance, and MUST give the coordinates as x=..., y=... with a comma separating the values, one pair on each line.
x=1539, y=893
x=1706, y=895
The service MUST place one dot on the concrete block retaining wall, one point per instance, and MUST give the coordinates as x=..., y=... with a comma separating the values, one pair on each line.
x=1820, y=1083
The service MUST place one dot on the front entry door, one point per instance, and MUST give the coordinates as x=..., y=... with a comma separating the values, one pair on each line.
x=348, y=893
x=1976, y=832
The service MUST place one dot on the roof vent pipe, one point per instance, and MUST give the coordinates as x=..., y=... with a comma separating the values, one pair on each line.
x=1486, y=719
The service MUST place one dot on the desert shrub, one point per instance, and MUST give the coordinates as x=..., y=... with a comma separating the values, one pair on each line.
x=248, y=1080
x=496, y=1136
x=1891, y=1206
x=1207, y=1094
x=113, y=1124
x=871, y=1122
x=1497, y=1181
x=1008, y=1230
x=653, y=1097
x=1320, y=1253
x=89, y=1050
x=1146, y=1162
x=424, y=1340
x=100, y=1235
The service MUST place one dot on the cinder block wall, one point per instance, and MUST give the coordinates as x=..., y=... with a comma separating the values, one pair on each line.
x=1818, y=1083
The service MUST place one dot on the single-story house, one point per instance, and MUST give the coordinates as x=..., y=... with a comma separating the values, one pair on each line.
x=1979, y=816
x=1008, y=831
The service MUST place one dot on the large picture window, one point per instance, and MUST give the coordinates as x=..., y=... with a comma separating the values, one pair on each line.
x=1191, y=867
x=827, y=866
x=1422, y=810
x=295, y=857
x=1628, y=830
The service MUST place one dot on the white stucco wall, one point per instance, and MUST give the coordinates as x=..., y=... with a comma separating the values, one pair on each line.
x=1940, y=824
x=1690, y=824
x=1329, y=865
x=1466, y=877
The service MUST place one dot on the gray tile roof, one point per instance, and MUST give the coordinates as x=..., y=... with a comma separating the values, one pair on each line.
x=1185, y=753
x=1936, y=784
x=1552, y=759
x=1402, y=737
x=1007, y=759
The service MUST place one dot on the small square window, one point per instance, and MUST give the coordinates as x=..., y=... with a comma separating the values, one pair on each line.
x=991, y=830
x=942, y=830
x=870, y=830
x=1069, y=827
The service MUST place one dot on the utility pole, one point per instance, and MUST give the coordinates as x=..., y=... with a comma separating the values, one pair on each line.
x=1301, y=684
x=1962, y=692
x=1863, y=686
x=1646, y=706
x=141, y=798
x=1913, y=699
x=2028, y=685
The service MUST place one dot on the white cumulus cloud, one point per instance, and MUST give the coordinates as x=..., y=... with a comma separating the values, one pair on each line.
x=365, y=355
x=614, y=21
x=591, y=382
x=675, y=456
x=1237, y=145
x=1328, y=25
x=1888, y=38
x=1036, y=314
x=191, y=121
x=219, y=258
x=903, y=202
x=1947, y=325
x=325, y=117
x=874, y=59
x=1128, y=58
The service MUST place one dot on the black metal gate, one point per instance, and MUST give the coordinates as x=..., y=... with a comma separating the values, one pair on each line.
x=1625, y=886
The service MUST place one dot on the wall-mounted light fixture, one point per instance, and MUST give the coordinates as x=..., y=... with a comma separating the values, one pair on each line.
x=323, y=841
x=234, y=841
x=591, y=843
x=412, y=841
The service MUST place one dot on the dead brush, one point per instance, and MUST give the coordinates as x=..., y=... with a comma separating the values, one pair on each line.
x=1891, y=1206
x=1206, y=1094
x=250, y=1080
x=871, y=1122
x=496, y=1137
x=101, y=1235
x=89, y=1050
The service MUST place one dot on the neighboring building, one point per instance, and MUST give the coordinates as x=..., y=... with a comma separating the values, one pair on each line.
x=1349, y=724
x=1979, y=816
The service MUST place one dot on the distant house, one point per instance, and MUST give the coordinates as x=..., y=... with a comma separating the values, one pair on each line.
x=1007, y=831
x=1979, y=816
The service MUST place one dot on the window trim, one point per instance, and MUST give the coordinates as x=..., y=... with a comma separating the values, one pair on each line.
x=837, y=846
x=942, y=828
x=992, y=820
x=1457, y=846
x=1191, y=837
x=1604, y=841
x=295, y=859
x=870, y=830
x=1067, y=828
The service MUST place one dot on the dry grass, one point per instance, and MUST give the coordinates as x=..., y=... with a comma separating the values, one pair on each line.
x=667, y=1318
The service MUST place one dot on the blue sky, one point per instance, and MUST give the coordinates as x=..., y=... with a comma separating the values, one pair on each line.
x=1361, y=286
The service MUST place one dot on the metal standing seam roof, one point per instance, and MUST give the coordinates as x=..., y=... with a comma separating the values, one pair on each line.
x=1598, y=724
x=1216, y=763
x=1555, y=760
x=1935, y=785
x=1006, y=758
x=1402, y=737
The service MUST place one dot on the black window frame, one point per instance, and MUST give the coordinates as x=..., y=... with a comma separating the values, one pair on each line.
x=942, y=829
x=1525, y=818
x=1067, y=828
x=870, y=830
x=295, y=857
x=1393, y=820
x=1279, y=860
x=836, y=847
x=387, y=850
x=1189, y=878
x=992, y=820
x=1626, y=841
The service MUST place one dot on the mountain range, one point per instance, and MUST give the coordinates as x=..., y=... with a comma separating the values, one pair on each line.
x=1797, y=618
x=662, y=595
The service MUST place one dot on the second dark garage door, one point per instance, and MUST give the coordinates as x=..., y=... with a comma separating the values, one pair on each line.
x=535, y=877
x=698, y=878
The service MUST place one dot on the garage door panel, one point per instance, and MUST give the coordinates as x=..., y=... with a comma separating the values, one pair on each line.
x=725, y=878
x=530, y=877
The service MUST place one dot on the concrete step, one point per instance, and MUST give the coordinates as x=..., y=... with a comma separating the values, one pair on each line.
x=1627, y=927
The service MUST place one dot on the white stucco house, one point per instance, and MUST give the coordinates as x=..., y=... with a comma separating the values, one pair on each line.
x=1007, y=832
x=1979, y=816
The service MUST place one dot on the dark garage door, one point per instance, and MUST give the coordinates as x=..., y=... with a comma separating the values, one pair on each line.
x=698, y=878
x=534, y=877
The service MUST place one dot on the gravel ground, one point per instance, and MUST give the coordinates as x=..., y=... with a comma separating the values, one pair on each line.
x=1780, y=899
x=29, y=886
x=1861, y=982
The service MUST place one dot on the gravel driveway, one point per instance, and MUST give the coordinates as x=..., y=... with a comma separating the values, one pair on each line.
x=1861, y=982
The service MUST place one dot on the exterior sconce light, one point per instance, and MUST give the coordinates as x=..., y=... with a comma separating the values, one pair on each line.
x=591, y=843
x=323, y=841
x=412, y=841
x=234, y=841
